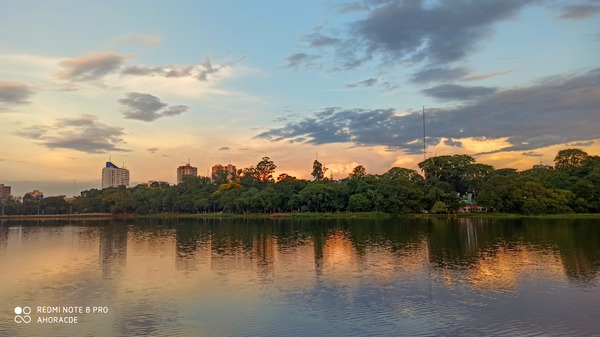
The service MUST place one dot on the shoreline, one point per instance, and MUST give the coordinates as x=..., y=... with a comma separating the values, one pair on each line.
x=309, y=215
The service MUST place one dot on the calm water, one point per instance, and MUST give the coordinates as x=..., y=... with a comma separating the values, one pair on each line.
x=401, y=277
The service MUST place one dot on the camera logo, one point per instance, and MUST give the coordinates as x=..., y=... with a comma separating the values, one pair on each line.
x=25, y=318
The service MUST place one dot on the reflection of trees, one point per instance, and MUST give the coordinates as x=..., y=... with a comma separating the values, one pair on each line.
x=264, y=248
x=578, y=243
x=113, y=247
x=3, y=236
x=453, y=243
x=186, y=244
x=457, y=243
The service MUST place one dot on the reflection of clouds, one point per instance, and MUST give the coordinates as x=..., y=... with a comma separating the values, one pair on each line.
x=340, y=278
x=503, y=270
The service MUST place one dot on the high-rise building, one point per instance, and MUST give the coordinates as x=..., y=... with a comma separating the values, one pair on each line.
x=4, y=192
x=229, y=168
x=187, y=170
x=112, y=176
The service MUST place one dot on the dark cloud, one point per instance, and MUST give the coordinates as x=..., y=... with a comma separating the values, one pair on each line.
x=531, y=154
x=146, y=107
x=152, y=149
x=320, y=40
x=14, y=93
x=415, y=31
x=557, y=110
x=91, y=67
x=452, y=142
x=286, y=117
x=175, y=110
x=581, y=144
x=202, y=72
x=457, y=92
x=439, y=74
x=390, y=86
x=83, y=133
x=580, y=11
x=300, y=60
x=366, y=83
x=224, y=148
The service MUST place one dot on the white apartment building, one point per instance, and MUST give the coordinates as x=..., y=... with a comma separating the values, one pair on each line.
x=112, y=176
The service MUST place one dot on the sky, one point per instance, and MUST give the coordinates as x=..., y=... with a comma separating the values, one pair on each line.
x=152, y=85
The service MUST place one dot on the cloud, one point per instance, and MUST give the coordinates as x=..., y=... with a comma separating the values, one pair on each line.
x=152, y=149
x=91, y=67
x=202, y=72
x=82, y=133
x=457, y=92
x=139, y=39
x=320, y=40
x=416, y=31
x=440, y=74
x=557, y=110
x=366, y=83
x=477, y=77
x=14, y=93
x=164, y=71
x=531, y=154
x=300, y=60
x=580, y=11
x=146, y=107
x=390, y=86
x=452, y=142
x=224, y=148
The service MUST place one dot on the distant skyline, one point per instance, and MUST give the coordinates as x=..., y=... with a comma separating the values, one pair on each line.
x=151, y=84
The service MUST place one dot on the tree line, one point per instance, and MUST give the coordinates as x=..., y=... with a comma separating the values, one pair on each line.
x=447, y=184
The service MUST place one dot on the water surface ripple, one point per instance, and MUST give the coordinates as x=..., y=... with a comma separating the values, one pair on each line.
x=350, y=277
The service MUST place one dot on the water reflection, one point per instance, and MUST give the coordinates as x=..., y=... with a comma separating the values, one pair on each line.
x=113, y=248
x=419, y=276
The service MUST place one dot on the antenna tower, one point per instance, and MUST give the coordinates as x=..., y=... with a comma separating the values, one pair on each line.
x=424, y=153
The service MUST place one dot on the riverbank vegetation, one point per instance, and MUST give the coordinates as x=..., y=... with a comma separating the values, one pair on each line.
x=448, y=184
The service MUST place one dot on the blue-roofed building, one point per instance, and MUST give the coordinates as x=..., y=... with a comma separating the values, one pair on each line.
x=113, y=176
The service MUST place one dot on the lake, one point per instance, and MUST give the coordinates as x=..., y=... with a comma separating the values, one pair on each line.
x=332, y=277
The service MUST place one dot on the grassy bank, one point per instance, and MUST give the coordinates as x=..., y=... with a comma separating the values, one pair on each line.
x=83, y=216
x=304, y=215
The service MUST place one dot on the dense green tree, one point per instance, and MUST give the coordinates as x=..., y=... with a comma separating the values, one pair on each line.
x=569, y=158
x=439, y=207
x=159, y=184
x=220, y=177
x=265, y=169
x=575, y=186
x=358, y=172
x=249, y=177
x=316, y=196
x=451, y=169
x=318, y=171
x=403, y=173
x=359, y=203
x=54, y=205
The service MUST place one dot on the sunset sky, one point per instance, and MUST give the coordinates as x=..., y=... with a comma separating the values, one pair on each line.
x=150, y=84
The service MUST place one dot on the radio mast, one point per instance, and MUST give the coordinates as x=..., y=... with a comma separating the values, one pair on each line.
x=424, y=153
